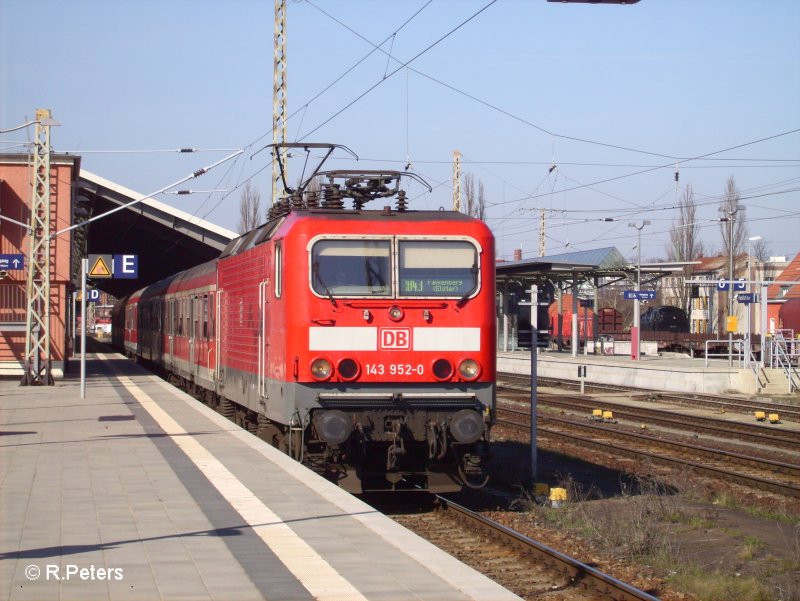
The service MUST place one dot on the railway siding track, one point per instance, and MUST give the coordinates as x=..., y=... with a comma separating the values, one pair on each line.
x=788, y=440
x=782, y=478
x=521, y=564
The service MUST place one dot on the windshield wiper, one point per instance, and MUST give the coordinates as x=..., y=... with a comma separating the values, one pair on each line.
x=324, y=285
x=463, y=299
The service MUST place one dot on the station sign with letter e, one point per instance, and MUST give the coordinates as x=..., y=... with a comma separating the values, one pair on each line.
x=126, y=266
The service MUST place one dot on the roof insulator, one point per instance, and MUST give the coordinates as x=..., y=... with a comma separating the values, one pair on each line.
x=402, y=203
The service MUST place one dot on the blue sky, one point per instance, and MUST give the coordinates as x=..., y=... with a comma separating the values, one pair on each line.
x=605, y=92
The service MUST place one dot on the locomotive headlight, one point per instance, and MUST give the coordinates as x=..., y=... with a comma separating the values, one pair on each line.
x=469, y=369
x=442, y=370
x=321, y=369
x=466, y=426
x=348, y=369
x=333, y=426
x=395, y=313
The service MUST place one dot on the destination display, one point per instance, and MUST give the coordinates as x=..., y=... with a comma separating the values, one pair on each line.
x=436, y=286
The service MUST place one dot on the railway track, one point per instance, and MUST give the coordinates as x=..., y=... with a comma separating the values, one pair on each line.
x=773, y=476
x=707, y=401
x=750, y=433
x=524, y=566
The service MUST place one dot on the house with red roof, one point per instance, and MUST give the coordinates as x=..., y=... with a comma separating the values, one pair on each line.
x=780, y=294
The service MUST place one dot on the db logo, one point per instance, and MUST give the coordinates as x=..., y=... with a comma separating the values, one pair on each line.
x=395, y=339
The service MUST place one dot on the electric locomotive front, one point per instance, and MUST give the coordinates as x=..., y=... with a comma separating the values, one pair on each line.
x=392, y=336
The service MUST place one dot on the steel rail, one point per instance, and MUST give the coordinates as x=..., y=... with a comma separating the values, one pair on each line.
x=585, y=576
x=784, y=488
x=738, y=458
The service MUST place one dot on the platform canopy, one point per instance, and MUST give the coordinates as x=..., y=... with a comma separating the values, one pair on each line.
x=166, y=240
x=602, y=267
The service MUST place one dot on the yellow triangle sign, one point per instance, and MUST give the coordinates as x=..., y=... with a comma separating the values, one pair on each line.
x=100, y=269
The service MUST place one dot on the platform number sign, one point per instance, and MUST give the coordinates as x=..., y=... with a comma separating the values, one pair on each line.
x=126, y=266
x=723, y=285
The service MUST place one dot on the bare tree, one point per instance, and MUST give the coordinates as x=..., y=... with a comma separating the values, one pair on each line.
x=685, y=244
x=249, y=208
x=761, y=250
x=476, y=201
x=731, y=207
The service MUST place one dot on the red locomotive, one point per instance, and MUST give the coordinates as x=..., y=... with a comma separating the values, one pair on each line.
x=360, y=342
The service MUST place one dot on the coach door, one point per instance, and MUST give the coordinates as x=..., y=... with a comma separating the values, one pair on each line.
x=263, y=339
x=218, y=335
x=192, y=331
x=171, y=329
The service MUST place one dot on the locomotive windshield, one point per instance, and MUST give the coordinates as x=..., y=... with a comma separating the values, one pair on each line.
x=437, y=268
x=354, y=267
x=351, y=267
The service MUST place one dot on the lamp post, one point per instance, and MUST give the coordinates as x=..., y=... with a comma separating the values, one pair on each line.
x=635, y=332
x=749, y=305
x=730, y=219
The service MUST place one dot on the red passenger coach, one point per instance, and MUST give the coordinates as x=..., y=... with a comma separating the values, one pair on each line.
x=361, y=342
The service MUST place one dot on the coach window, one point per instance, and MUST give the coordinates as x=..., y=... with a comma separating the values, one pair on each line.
x=278, y=269
x=187, y=316
x=351, y=267
x=211, y=316
x=179, y=316
x=447, y=268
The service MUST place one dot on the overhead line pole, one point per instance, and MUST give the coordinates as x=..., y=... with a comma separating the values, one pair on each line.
x=36, y=363
x=457, y=181
x=279, y=99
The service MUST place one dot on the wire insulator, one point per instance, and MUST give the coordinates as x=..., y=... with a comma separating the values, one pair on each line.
x=402, y=203
x=187, y=150
x=183, y=192
x=199, y=172
x=333, y=197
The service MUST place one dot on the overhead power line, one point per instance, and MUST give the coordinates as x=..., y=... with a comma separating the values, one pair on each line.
x=402, y=66
x=665, y=166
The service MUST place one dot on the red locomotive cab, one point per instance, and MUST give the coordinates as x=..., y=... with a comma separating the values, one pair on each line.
x=390, y=344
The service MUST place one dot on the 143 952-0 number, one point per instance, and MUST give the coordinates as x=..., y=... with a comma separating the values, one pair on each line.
x=395, y=369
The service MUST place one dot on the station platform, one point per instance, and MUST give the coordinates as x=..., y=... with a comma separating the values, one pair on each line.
x=674, y=373
x=140, y=492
